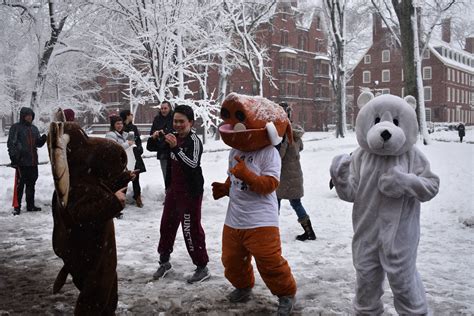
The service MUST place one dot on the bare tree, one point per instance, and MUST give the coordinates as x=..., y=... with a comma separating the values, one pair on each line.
x=413, y=40
x=246, y=17
x=335, y=16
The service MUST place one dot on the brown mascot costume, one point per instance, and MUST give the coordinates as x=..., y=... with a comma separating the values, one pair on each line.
x=252, y=127
x=89, y=174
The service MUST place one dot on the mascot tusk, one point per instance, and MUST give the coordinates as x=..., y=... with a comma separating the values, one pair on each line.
x=57, y=146
x=272, y=132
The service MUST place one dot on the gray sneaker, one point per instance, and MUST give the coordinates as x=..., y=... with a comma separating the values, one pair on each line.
x=285, y=305
x=200, y=274
x=240, y=295
x=163, y=270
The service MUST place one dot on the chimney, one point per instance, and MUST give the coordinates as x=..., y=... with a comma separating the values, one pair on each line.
x=446, y=30
x=469, y=45
x=376, y=27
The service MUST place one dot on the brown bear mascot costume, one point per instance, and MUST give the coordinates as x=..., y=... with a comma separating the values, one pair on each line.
x=252, y=127
x=87, y=171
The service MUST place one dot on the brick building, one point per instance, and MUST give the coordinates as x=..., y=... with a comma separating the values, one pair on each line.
x=448, y=73
x=299, y=65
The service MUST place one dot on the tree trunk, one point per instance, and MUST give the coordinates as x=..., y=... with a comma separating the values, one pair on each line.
x=44, y=61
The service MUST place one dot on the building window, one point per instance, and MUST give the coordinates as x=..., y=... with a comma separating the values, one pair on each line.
x=457, y=76
x=427, y=73
x=385, y=56
x=426, y=54
x=302, y=42
x=366, y=77
x=403, y=92
x=449, y=93
x=428, y=115
x=367, y=59
x=386, y=75
x=302, y=67
x=462, y=96
x=403, y=75
x=385, y=91
x=284, y=38
x=427, y=91
x=449, y=74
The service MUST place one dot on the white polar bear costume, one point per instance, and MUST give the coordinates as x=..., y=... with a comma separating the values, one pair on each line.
x=386, y=178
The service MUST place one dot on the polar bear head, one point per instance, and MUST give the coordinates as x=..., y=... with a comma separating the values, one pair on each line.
x=386, y=125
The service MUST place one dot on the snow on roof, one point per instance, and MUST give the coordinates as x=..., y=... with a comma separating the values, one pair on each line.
x=434, y=44
x=322, y=57
x=287, y=50
x=263, y=108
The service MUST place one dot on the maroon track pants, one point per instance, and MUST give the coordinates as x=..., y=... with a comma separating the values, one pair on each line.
x=183, y=208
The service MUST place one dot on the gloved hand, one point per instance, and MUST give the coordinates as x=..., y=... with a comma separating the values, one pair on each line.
x=220, y=190
x=44, y=137
x=258, y=184
x=240, y=171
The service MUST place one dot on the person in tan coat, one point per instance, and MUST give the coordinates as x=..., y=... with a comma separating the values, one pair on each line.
x=291, y=178
x=90, y=179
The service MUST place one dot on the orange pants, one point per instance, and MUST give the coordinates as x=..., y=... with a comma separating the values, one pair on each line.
x=263, y=243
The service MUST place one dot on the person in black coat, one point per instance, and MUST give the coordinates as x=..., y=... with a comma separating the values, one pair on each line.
x=162, y=125
x=129, y=127
x=23, y=140
x=461, y=131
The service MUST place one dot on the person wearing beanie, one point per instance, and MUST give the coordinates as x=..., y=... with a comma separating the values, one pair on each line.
x=129, y=127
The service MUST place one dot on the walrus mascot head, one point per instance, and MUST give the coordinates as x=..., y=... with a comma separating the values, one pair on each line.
x=251, y=123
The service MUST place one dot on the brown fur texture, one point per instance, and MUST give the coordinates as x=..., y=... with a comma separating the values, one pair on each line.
x=84, y=234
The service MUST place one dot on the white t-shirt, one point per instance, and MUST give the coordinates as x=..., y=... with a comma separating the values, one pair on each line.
x=248, y=209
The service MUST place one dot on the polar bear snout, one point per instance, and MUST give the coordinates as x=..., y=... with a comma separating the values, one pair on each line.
x=385, y=135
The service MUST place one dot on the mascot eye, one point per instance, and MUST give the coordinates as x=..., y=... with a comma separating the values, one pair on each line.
x=377, y=120
x=395, y=121
x=225, y=114
x=240, y=116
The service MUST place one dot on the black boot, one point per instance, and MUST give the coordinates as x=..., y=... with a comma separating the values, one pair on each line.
x=308, y=230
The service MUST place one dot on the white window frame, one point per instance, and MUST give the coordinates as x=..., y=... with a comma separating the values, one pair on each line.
x=385, y=91
x=387, y=60
x=462, y=96
x=403, y=92
x=430, y=72
x=403, y=76
x=385, y=72
x=363, y=76
x=448, y=94
x=449, y=74
x=367, y=59
x=427, y=114
x=428, y=88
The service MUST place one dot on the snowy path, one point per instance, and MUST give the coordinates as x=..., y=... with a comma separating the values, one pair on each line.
x=323, y=268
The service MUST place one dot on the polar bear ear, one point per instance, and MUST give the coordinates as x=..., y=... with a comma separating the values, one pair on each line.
x=364, y=98
x=411, y=101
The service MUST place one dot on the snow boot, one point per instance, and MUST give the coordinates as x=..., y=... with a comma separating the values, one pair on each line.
x=139, y=202
x=33, y=209
x=308, y=230
x=16, y=211
x=240, y=295
x=163, y=270
x=200, y=274
x=285, y=305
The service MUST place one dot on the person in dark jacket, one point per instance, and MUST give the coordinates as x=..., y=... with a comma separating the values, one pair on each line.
x=129, y=127
x=461, y=131
x=184, y=190
x=162, y=125
x=23, y=141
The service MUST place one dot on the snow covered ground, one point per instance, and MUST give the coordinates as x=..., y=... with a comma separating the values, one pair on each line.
x=322, y=268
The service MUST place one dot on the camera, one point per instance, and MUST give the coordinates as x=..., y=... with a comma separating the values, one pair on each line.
x=161, y=135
